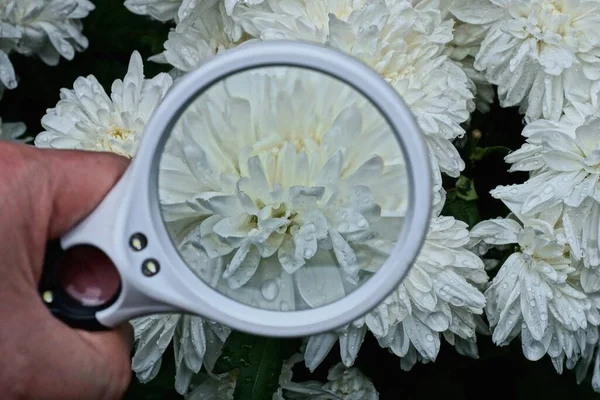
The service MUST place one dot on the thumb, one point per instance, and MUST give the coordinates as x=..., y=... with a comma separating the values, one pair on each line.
x=78, y=181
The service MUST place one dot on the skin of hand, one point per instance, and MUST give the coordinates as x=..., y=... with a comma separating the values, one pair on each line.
x=43, y=194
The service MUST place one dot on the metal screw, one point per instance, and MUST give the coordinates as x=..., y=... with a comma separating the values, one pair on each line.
x=150, y=267
x=138, y=242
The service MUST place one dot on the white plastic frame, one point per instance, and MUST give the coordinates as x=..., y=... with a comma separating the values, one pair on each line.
x=132, y=207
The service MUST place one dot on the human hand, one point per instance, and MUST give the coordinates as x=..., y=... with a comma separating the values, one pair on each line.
x=43, y=194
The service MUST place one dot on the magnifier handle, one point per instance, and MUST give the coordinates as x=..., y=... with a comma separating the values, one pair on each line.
x=58, y=301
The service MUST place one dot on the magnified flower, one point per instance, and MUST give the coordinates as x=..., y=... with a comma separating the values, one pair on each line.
x=86, y=118
x=283, y=199
x=563, y=158
x=440, y=296
x=12, y=130
x=48, y=28
x=536, y=294
x=541, y=54
x=404, y=41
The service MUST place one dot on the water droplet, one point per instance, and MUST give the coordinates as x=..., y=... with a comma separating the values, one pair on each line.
x=549, y=189
x=457, y=301
x=307, y=253
x=269, y=289
x=445, y=290
x=284, y=306
x=362, y=223
x=504, y=285
x=429, y=337
x=543, y=316
x=344, y=227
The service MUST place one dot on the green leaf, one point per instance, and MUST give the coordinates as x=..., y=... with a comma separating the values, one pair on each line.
x=480, y=152
x=258, y=361
x=465, y=189
x=461, y=209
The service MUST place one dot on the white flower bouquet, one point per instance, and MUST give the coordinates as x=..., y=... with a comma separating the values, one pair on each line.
x=506, y=93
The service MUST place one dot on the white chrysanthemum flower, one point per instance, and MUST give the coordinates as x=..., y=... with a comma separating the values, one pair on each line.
x=205, y=31
x=9, y=35
x=463, y=50
x=214, y=387
x=11, y=131
x=541, y=53
x=401, y=41
x=48, y=28
x=281, y=202
x=589, y=356
x=161, y=10
x=536, y=294
x=342, y=384
x=197, y=342
x=438, y=297
x=177, y=10
x=86, y=118
x=563, y=158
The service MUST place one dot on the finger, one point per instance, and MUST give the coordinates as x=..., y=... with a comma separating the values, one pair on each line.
x=78, y=181
x=89, y=276
x=98, y=363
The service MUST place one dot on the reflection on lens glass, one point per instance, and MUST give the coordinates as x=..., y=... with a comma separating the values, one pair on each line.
x=283, y=188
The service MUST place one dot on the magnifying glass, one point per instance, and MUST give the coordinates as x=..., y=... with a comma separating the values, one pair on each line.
x=282, y=189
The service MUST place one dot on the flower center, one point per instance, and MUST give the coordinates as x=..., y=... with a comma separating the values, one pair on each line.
x=114, y=139
x=392, y=76
x=119, y=133
x=306, y=143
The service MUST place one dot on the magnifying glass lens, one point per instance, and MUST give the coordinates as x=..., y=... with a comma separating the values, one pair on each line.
x=283, y=188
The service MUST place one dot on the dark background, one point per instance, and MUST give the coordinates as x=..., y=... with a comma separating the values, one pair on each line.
x=114, y=33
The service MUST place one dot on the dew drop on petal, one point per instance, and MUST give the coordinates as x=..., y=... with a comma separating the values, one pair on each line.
x=445, y=290
x=269, y=289
x=343, y=227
